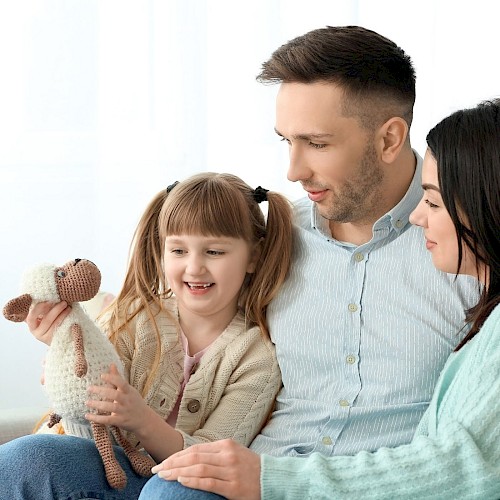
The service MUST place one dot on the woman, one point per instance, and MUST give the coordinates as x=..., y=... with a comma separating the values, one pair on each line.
x=456, y=449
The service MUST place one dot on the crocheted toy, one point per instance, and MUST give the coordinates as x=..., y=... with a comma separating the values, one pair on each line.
x=78, y=355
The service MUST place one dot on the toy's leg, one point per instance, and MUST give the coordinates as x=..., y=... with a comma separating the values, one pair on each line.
x=140, y=462
x=54, y=419
x=114, y=473
x=80, y=361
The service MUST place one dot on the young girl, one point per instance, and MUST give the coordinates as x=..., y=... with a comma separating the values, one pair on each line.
x=190, y=327
x=456, y=449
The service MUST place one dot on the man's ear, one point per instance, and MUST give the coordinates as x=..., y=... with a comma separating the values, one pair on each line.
x=255, y=256
x=392, y=136
x=17, y=309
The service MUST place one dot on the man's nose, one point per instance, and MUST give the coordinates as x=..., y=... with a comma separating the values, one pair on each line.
x=297, y=169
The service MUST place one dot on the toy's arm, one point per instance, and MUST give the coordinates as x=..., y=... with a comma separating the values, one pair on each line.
x=80, y=361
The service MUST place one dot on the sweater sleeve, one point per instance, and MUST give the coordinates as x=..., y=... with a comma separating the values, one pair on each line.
x=459, y=457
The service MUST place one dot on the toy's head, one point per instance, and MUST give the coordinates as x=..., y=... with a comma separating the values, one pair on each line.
x=77, y=281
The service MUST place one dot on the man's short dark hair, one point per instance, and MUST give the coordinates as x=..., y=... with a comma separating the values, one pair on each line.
x=376, y=75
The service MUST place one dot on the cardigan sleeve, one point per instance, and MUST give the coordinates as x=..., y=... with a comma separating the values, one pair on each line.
x=459, y=457
x=246, y=400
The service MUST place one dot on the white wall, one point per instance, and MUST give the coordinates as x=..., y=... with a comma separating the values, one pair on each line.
x=102, y=103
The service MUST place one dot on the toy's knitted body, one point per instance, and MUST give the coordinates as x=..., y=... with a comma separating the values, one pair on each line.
x=66, y=390
x=79, y=353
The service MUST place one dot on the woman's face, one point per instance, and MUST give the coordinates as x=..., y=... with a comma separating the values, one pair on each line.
x=439, y=231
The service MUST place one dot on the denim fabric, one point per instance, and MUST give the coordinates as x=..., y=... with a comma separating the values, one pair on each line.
x=159, y=489
x=44, y=467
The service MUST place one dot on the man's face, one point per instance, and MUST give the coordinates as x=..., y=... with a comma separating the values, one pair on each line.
x=332, y=155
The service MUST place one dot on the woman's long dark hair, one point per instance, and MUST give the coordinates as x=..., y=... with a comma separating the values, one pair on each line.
x=466, y=146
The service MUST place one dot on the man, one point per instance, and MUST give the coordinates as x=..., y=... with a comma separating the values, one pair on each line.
x=364, y=322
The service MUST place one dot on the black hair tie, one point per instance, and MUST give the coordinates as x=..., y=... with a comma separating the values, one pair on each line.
x=169, y=188
x=260, y=194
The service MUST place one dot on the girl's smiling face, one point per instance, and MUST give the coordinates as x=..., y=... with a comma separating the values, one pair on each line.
x=439, y=231
x=206, y=273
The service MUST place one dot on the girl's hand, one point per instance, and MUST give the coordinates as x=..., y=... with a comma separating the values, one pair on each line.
x=44, y=317
x=118, y=403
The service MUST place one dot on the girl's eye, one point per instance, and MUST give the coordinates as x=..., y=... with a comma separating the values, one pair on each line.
x=177, y=251
x=430, y=204
x=215, y=252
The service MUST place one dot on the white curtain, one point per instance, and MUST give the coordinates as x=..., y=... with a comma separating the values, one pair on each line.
x=105, y=102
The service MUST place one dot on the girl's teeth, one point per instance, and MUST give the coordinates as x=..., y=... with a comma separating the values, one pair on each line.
x=198, y=285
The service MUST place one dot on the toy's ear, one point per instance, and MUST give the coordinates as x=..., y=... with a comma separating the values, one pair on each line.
x=17, y=309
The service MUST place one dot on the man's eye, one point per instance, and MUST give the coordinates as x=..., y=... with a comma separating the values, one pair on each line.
x=317, y=146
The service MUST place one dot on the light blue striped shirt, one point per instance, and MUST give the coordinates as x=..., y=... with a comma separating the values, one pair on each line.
x=361, y=334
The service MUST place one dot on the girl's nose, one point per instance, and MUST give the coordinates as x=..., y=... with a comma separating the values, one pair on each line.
x=195, y=265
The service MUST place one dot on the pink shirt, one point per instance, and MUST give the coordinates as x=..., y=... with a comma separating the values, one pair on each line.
x=190, y=364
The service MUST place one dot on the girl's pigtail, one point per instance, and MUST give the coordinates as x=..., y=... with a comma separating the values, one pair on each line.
x=143, y=282
x=274, y=260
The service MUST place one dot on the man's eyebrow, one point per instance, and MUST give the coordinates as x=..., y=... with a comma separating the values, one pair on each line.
x=426, y=187
x=305, y=137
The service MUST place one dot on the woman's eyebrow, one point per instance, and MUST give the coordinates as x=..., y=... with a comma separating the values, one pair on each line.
x=426, y=187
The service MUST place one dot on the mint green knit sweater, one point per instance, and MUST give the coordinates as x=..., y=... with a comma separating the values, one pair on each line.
x=455, y=453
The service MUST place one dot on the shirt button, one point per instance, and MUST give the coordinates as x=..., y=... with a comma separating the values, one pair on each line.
x=327, y=440
x=344, y=402
x=193, y=405
x=399, y=224
x=351, y=359
x=353, y=307
x=358, y=257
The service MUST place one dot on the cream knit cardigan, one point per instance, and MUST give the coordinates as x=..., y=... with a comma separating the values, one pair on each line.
x=232, y=391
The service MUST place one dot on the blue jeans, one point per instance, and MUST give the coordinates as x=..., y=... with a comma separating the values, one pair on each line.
x=159, y=489
x=45, y=466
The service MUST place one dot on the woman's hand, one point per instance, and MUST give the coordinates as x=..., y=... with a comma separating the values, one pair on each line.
x=44, y=317
x=117, y=402
x=223, y=467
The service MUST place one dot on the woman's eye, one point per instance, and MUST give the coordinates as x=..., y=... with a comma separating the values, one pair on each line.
x=317, y=146
x=61, y=274
x=430, y=204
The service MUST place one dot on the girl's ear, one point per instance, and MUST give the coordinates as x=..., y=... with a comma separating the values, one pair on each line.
x=255, y=256
x=17, y=309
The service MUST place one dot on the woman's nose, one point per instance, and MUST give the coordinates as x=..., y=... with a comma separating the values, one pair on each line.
x=419, y=215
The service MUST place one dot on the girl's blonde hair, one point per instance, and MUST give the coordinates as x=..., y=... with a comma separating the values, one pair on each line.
x=210, y=204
